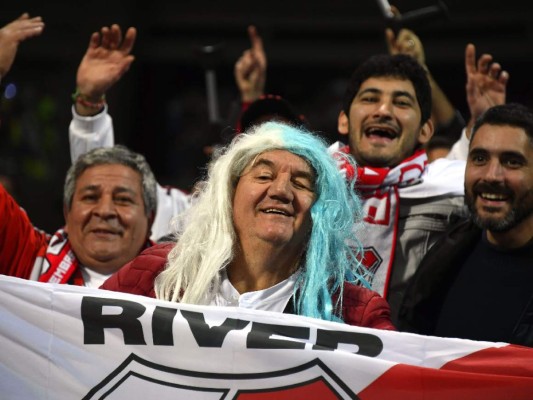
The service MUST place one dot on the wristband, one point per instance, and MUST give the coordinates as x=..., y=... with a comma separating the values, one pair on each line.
x=77, y=97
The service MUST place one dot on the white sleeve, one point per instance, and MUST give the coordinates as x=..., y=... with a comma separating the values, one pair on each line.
x=171, y=206
x=87, y=133
x=459, y=149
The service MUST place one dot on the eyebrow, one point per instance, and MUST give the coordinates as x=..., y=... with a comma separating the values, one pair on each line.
x=395, y=93
x=509, y=153
x=118, y=189
x=271, y=164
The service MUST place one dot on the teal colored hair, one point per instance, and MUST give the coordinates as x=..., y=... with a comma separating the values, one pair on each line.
x=207, y=244
x=330, y=259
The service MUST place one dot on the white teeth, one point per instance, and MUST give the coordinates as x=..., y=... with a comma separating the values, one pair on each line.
x=493, y=196
x=275, y=211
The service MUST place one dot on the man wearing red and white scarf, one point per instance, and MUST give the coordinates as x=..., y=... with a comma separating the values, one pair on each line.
x=408, y=203
x=109, y=204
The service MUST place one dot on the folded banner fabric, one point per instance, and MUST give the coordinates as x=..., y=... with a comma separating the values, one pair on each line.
x=66, y=342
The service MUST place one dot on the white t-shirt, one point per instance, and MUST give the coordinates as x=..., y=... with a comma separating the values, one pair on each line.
x=274, y=298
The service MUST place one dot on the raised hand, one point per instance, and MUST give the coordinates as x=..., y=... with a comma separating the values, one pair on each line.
x=106, y=60
x=250, y=68
x=407, y=42
x=486, y=82
x=12, y=34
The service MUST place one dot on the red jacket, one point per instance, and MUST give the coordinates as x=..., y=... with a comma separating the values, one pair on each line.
x=360, y=306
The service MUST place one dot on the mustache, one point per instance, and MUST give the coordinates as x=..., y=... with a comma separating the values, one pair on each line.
x=496, y=188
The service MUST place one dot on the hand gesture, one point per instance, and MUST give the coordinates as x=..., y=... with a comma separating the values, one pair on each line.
x=13, y=34
x=405, y=43
x=486, y=82
x=107, y=58
x=250, y=69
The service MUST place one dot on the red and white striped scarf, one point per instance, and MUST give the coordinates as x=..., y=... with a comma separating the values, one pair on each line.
x=379, y=188
x=58, y=263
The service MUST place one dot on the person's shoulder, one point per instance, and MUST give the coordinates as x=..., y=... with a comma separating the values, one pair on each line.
x=137, y=277
x=355, y=295
x=158, y=251
x=364, y=307
x=445, y=167
x=441, y=177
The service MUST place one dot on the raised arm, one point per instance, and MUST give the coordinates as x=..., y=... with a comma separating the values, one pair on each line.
x=250, y=69
x=106, y=60
x=407, y=42
x=14, y=33
x=486, y=84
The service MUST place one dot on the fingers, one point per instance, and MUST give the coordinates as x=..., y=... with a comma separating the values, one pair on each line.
x=245, y=63
x=504, y=78
x=255, y=39
x=94, y=41
x=115, y=36
x=105, y=35
x=110, y=38
x=470, y=59
x=483, y=64
x=390, y=39
x=23, y=28
x=129, y=40
x=498, y=74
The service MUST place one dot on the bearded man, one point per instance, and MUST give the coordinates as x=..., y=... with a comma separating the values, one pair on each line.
x=477, y=281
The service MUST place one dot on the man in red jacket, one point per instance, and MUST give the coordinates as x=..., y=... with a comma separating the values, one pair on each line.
x=267, y=231
x=109, y=205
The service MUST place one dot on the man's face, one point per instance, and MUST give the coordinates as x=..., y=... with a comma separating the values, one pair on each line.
x=499, y=178
x=384, y=123
x=107, y=225
x=272, y=201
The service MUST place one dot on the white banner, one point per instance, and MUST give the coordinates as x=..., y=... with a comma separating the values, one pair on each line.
x=66, y=342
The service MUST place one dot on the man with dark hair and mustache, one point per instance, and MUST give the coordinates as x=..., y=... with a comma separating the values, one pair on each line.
x=477, y=281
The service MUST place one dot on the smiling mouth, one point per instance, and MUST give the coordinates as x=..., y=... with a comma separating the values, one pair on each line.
x=105, y=232
x=276, y=211
x=382, y=132
x=493, y=196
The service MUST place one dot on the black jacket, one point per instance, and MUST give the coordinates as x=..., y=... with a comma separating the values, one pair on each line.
x=427, y=289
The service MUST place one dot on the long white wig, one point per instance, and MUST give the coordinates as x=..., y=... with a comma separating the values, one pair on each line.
x=206, y=245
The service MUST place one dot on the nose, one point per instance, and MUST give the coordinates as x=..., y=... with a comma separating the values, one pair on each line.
x=281, y=188
x=494, y=172
x=105, y=208
x=384, y=108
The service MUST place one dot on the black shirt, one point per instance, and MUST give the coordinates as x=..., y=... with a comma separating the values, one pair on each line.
x=489, y=294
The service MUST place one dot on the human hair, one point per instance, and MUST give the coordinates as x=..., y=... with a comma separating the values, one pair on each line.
x=399, y=66
x=113, y=155
x=511, y=114
x=208, y=242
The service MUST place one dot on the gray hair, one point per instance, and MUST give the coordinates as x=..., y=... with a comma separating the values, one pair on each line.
x=113, y=155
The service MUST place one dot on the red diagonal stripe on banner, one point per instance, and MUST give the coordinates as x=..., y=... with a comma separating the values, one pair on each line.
x=313, y=390
x=509, y=360
x=490, y=374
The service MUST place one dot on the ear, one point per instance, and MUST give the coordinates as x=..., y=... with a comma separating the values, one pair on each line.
x=151, y=219
x=342, y=123
x=65, y=216
x=426, y=132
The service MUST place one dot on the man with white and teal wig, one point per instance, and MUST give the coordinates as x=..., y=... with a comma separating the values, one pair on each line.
x=268, y=230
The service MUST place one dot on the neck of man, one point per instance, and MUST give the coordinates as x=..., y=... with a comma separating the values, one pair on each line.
x=514, y=238
x=261, y=268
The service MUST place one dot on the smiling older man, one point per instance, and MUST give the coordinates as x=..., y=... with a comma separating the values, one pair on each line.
x=109, y=205
x=268, y=232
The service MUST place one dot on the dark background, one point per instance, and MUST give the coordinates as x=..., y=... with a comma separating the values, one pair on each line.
x=159, y=108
